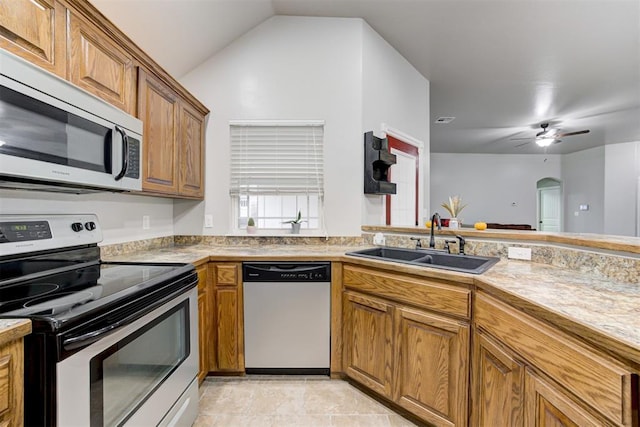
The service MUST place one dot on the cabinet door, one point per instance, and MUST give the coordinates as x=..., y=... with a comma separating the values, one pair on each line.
x=432, y=371
x=11, y=384
x=35, y=30
x=191, y=147
x=204, y=328
x=228, y=348
x=497, y=385
x=367, y=341
x=158, y=109
x=98, y=65
x=546, y=405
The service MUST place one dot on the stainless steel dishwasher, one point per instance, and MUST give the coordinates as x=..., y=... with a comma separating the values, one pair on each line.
x=287, y=317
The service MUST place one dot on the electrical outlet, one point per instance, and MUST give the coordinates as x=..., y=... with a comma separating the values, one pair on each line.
x=378, y=239
x=146, y=220
x=208, y=221
x=520, y=253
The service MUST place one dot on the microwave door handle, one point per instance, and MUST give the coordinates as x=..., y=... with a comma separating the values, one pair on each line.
x=125, y=153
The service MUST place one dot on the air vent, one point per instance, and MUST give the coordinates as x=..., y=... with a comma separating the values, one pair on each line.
x=444, y=120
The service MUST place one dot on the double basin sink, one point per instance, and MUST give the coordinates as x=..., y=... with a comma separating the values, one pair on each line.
x=429, y=258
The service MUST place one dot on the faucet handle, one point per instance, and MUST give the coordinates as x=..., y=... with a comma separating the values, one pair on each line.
x=418, y=242
x=461, y=243
x=449, y=242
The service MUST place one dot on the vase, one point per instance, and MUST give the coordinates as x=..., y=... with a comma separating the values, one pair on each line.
x=251, y=229
x=295, y=227
x=454, y=224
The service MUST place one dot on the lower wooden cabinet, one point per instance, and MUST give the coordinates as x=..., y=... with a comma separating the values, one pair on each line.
x=432, y=366
x=548, y=406
x=367, y=324
x=527, y=373
x=227, y=355
x=11, y=384
x=204, y=321
x=497, y=385
x=415, y=358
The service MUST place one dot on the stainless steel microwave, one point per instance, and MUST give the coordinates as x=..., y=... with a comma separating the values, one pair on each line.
x=55, y=136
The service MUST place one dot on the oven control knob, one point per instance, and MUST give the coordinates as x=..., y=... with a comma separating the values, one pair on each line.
x=77, y=226
x=90, y=225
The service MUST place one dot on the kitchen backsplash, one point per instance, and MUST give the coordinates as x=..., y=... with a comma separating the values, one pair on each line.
x=616, y=267
x=621, y=268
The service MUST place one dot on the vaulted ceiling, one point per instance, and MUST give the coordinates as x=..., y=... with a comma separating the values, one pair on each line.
x=501, y=68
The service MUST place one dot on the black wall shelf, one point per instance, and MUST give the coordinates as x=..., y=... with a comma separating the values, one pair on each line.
x=377, y=161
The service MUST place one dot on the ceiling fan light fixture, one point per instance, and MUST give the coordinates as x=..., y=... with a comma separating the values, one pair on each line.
x=545, y=141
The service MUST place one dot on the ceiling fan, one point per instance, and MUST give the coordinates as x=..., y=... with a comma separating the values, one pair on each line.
x=547, y=136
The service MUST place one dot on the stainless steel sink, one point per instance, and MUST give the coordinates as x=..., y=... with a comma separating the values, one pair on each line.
x=430, y=258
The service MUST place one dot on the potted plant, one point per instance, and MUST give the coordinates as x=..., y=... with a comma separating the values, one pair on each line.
x=295, y=223
x=454, y=207
x=251, y=226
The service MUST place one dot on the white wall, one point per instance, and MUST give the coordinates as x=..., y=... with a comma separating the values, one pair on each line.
x=302, y=68
x=583, y=184
x=621, y=192
x=395, y=94
x=490, y=183
x=120, y=215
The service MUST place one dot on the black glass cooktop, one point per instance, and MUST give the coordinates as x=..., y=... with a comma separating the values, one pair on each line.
x=70, y=293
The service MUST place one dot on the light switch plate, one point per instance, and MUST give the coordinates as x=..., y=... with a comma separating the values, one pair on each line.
x=208, y=221
x=520, y=253
x=146, y=220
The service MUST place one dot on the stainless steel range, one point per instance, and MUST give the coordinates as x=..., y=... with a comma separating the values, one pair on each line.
x=113, y=343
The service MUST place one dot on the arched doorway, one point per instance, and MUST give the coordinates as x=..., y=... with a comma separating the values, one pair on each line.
x=549, y=204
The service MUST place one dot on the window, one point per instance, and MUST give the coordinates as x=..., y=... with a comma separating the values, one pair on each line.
x=277, y=170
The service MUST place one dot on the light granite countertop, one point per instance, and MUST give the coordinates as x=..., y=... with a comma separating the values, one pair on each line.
x=598, y=310
x=12, y=329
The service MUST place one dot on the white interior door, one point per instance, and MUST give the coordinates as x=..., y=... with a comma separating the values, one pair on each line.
x=403, y=206
x=550, y=208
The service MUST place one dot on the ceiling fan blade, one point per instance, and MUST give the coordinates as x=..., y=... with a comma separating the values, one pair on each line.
x=520, y=139
x=521, y=145
x=580, y=132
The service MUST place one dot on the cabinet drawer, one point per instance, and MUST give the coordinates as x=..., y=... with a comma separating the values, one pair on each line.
x=449, y=299
x=602, y=383
x=226, y=275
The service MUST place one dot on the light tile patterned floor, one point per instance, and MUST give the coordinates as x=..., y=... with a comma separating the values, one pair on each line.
x=290, y=402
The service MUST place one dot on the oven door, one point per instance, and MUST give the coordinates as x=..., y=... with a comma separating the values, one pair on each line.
x=142, y=374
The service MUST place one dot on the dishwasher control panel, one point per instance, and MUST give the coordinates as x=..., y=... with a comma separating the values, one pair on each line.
x=274, y=271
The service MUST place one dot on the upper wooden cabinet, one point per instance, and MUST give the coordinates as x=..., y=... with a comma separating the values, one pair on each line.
x=97, y=64
x=173, y=148
x=35, y=30
x=75, y=41
x=191, y=150
x=158, y=110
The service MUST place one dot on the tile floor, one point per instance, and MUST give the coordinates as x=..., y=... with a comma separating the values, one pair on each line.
x=290, y=402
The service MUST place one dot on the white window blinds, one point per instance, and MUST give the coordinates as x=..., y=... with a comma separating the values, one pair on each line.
x=277, y=158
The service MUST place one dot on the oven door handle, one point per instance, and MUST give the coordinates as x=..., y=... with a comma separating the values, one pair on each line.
x=73, y=343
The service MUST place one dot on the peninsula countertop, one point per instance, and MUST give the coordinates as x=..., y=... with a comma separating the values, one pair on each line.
x=599, y=310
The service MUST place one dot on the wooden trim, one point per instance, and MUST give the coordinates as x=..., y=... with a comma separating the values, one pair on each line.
x=336, y=319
